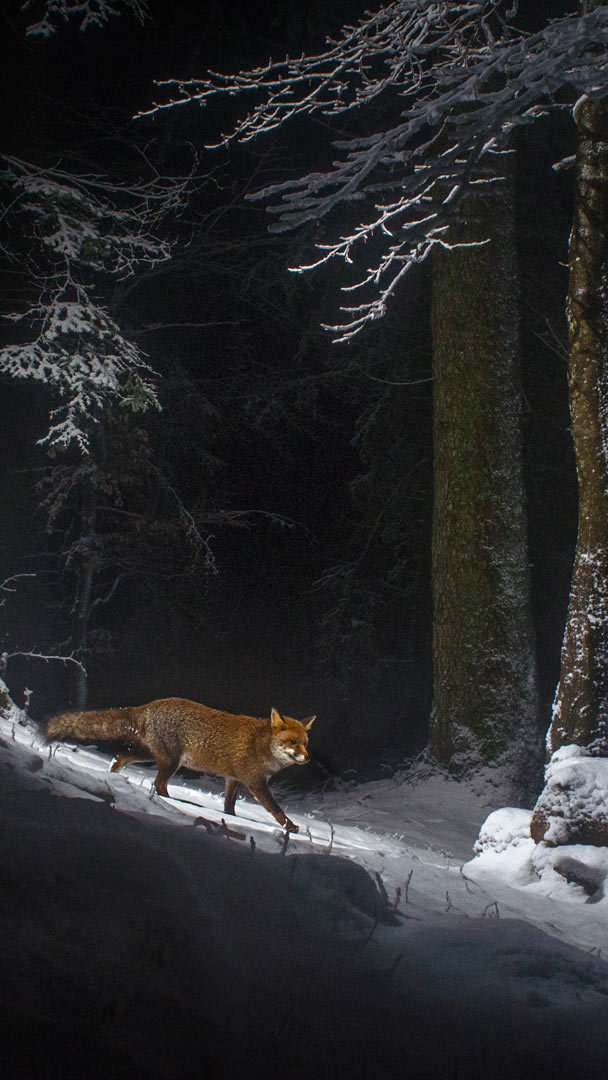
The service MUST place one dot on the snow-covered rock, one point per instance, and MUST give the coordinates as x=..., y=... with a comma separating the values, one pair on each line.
x=573, y=806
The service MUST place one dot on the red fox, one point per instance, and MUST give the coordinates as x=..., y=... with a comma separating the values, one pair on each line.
x=174, y=731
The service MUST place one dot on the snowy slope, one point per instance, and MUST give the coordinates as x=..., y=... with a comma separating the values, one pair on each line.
x=136, y=932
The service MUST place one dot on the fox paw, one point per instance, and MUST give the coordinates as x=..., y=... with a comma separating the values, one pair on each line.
x=290, y=826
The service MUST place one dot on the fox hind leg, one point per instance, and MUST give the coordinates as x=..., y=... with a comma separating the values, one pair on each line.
x=127, y=758
x=166, y=768
x=231, y=794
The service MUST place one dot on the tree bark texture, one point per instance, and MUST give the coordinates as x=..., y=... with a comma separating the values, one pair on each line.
x=580, y=710
x=485, y=707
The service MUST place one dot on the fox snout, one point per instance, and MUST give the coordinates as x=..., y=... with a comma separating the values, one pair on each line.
x=292, y=755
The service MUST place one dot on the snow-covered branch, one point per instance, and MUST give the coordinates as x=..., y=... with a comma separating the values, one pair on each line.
x=89, y=12
x=456, y=78
x=89, y=221
x=394, y=47
x=82, y=229
x=81, y=353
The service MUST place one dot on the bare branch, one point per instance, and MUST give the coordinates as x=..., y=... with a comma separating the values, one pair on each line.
x=46, y=657
x=5, y=586
x=100, y=601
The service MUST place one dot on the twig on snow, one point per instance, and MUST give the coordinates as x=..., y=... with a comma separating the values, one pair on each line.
x=407, y=884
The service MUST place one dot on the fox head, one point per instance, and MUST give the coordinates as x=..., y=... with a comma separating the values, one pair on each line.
x=289, y=738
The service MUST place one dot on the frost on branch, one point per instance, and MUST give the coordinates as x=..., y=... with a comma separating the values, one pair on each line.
x=456, y=77
x=89, y=12
x=83, y=232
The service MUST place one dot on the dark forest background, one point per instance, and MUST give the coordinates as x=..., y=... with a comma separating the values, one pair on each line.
x=306, y=465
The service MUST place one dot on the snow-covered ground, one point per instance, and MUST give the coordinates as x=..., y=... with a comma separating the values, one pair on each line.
x=142, y=935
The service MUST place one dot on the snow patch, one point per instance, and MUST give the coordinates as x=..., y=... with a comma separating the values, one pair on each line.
x=154, y=931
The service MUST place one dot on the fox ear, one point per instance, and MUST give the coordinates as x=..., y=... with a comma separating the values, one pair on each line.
x=276, y=719
x=308, y=722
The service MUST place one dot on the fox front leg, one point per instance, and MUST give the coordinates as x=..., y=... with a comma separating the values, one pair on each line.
x=263, y=794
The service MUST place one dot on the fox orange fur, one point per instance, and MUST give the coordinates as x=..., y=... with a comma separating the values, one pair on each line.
x=174, y=731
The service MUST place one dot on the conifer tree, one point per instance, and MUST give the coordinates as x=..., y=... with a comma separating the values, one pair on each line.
x=580, y=711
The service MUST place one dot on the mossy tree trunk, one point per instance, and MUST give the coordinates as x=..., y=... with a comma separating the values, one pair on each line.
x=580, y=711
x=485, y=706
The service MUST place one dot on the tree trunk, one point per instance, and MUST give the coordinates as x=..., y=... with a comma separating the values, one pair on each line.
x=485, y=707
x=580, y=711
x=86, y=556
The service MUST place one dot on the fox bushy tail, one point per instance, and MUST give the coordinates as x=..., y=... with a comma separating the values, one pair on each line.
x=102, y=724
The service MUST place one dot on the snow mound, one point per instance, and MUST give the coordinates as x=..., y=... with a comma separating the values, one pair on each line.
x=502, y=828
